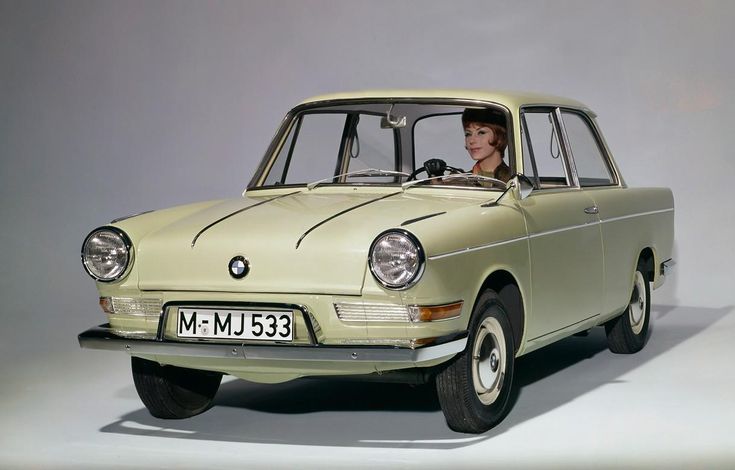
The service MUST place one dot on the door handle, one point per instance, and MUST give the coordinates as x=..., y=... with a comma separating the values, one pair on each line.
x=591, y=210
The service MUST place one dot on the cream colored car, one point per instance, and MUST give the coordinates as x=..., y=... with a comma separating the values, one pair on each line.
x=362, y=247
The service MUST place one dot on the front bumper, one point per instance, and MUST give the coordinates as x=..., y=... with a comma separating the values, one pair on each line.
x=102, y=337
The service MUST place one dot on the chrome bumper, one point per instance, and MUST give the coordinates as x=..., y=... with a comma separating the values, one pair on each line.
x=667, y=267
x=102, y=337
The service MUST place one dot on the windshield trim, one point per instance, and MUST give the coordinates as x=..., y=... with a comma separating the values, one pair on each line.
x=280, y=137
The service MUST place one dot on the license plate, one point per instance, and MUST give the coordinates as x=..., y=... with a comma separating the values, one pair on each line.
x=235, y=324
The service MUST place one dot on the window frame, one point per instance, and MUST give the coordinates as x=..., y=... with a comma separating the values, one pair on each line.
x=568, y=165
x=599, y=141
x=404, y=162
x=293, y=121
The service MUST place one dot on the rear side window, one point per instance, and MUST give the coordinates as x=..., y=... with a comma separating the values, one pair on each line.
x=543, y=161
x=589, y=158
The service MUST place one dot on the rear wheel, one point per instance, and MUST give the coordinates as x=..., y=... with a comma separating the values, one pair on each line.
x=174, y=392
x=474, y=389
x=627, y=333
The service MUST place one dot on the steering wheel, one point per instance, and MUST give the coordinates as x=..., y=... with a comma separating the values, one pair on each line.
x=434, y=167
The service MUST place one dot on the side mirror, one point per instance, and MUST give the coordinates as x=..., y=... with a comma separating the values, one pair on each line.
x=519, y=185
x=523, y=184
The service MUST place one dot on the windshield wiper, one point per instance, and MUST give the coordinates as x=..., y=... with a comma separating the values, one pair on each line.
x=463, y=176
x=366, y=172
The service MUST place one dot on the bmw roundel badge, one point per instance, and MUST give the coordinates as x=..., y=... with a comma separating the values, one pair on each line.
x=239, y=267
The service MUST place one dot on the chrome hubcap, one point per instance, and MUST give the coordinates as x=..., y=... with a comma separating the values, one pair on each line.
x=637, y=306
x=488, y=361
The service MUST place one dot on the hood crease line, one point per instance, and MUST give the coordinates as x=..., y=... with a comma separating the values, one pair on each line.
x=196, y=237
x=342, y=213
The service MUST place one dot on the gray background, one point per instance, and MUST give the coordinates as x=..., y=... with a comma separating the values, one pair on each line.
x=111, y=108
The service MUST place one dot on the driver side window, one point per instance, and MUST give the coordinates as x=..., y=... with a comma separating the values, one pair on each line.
x=543, y=159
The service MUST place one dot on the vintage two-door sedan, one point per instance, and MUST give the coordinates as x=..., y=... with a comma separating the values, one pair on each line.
x=362, y=247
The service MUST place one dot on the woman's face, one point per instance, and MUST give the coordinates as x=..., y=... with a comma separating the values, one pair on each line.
x=479, y=140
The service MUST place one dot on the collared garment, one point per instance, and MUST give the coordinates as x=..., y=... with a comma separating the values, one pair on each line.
x=502, y=172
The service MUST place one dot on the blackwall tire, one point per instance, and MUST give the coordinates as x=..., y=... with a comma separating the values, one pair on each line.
x=627, y=333
x=474, y=389
x=170, y=392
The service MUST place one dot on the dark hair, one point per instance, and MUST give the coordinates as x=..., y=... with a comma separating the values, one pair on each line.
x=484, y=115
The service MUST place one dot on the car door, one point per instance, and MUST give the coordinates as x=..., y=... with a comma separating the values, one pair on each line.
x=598, y=178
x=564, y=233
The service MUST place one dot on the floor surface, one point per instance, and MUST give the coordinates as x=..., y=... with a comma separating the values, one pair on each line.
x=577, y=405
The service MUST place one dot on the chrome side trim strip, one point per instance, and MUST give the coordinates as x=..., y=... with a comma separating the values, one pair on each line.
x=476, y=248
x=102, y=338
x=547, y=232
x=564, y=328
x=623, y=217
x=563, y=229
x=196, y=237
x=342, y=213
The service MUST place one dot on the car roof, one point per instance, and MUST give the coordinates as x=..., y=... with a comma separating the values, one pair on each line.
x=511, y=99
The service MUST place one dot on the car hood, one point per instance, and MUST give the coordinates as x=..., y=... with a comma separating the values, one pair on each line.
x=300, y=241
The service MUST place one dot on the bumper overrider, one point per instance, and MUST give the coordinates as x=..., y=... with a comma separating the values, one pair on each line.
x=102, y=337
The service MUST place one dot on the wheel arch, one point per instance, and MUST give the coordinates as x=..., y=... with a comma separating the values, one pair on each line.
x=648, y=259
x=506, y=286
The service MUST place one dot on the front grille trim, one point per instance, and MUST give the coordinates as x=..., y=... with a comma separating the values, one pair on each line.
x=372, y=312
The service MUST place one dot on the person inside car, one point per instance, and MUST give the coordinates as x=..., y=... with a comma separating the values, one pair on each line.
x=485, y=139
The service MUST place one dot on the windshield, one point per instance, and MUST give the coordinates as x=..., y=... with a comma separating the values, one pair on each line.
x=379, y=143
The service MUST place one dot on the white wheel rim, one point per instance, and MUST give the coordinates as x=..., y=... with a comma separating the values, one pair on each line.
x=488, y=361
x=637, y=306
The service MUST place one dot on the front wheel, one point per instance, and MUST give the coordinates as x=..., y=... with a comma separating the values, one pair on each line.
x=474, y=389
x=627, y=333
x=174, y=392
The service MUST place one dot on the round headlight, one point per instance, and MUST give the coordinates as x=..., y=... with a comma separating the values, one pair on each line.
x=396, y=259
x=106, y=253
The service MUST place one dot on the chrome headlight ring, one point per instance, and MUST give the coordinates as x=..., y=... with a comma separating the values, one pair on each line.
x=396, y=259
x=107, y=252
